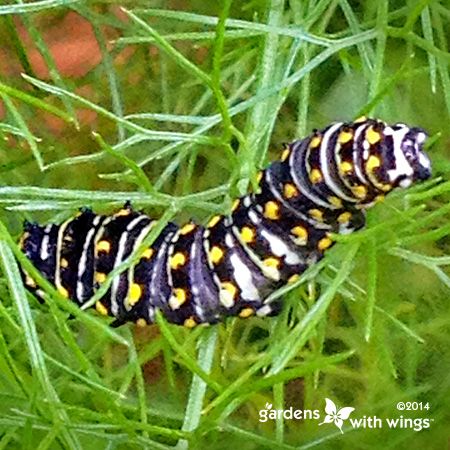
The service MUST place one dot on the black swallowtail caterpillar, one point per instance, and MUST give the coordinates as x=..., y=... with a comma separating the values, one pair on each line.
x=195, y=274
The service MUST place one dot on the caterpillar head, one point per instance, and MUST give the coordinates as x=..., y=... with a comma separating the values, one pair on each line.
x=407, y=160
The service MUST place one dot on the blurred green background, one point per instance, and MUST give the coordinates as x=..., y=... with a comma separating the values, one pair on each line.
x=176, y=105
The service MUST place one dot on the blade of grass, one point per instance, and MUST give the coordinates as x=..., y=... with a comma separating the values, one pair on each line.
x=372, y=274
x=296, y=33
x=26, y=8
x=141, y=179
x=22, y=125
x=36, y=102
x=282, y=354
x=427, y=28
x=151, y=134
x=268, y=73
x=192, y=417
x=198, y=200
x=36, y=354
x=110, y=71
x=187, y=360
x=377, y=75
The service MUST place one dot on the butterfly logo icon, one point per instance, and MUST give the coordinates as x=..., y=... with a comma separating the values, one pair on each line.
x=336, y=416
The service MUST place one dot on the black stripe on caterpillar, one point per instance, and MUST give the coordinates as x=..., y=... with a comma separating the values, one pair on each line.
x=193, y=274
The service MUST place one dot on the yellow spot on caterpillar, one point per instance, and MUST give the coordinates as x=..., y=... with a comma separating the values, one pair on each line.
x=270, y=268
x=360, y=191
x=335, y=201
x=230, y=287
x=293, y=278
x=246, y=312
x=344, y=137
x=316, y=214
x=300, y=232
x=344, y=217
x=100, y=277
x=345, y=167
x=188, y=228
x=259, y=176
x=248, y=235
x=315, y=142
x=63, y=291
x=103, y=246
x=289, y=190
x=235, y=205
x=178, y=260
x=272, y=262
x=227, y=294
x=216, y=254
x=101, y=308
x=134, y=294
x=324, y=243
x=29, y=281
x=372, y=136
x=272, y=210
x=372, y=163
x=123, y=212
x=190, y=322
x=178, y=298
x=23, y=238
x=214, y=221
x=361, y=119
x=315, y=176
x=141, y=323
x=379, y=198
x=147, y=253
x=180, y=294
x=64, y=263
x=285, y=154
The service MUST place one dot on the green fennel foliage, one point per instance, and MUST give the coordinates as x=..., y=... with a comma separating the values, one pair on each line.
x=184, y=104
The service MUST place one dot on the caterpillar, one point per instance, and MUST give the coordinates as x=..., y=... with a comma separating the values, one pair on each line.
x=201, y=274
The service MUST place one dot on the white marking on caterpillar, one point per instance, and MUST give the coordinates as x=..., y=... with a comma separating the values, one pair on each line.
x=279, y=248
x=243, y=277
x=355, y=152
x=59, y=241
x=402, y=166
x=118, y=260
x=302, y=186
x=44, y=254
x=325, y=163
x=142, y=235
x=80, y=290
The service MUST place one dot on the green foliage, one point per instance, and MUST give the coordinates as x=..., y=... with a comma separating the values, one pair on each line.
x=187, y=102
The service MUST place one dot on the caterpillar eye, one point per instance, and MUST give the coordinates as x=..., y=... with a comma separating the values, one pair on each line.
x=202, y=274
